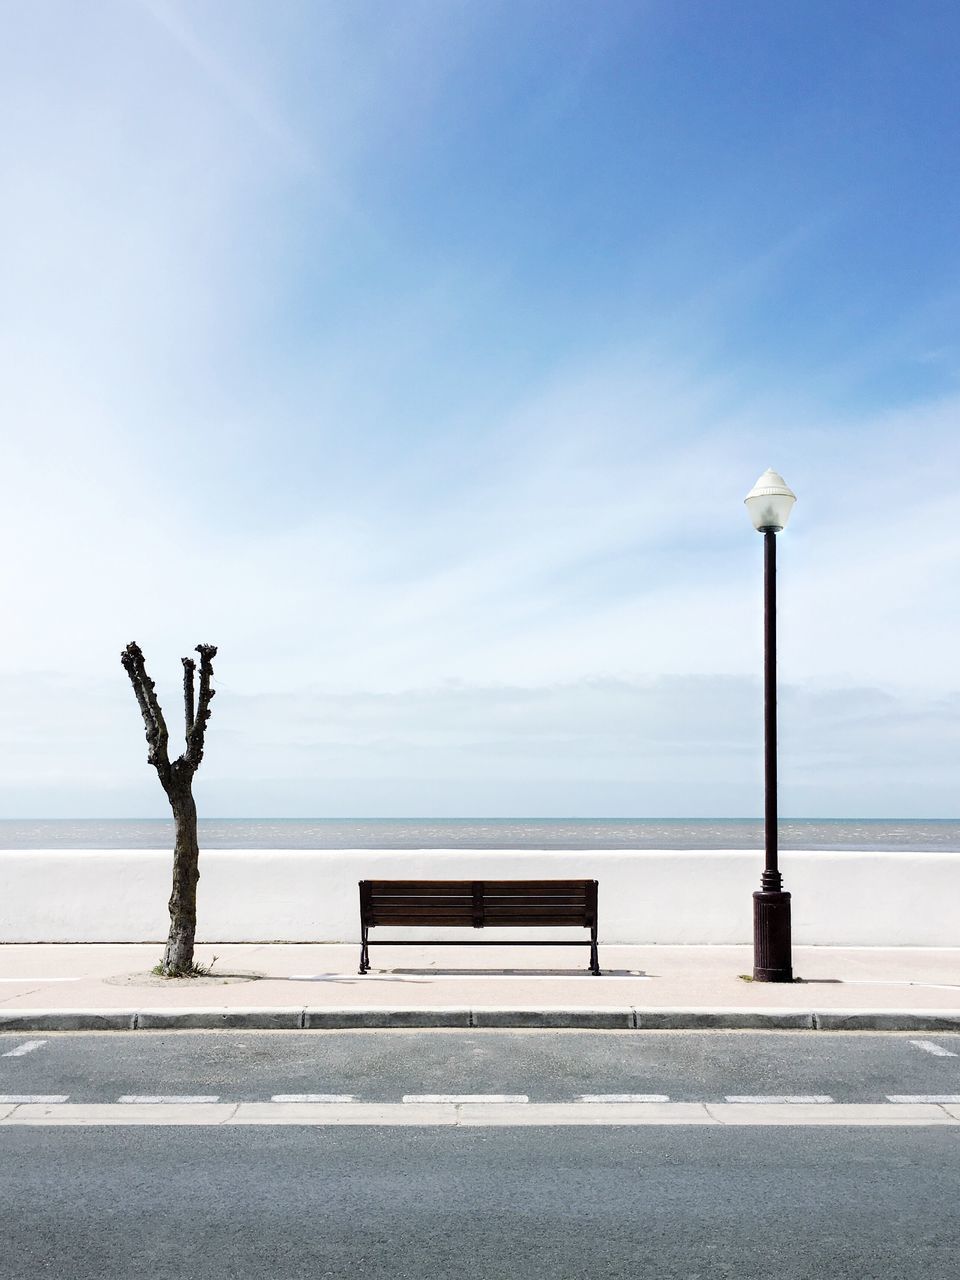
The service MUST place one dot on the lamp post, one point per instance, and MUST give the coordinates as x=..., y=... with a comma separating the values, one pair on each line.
x=769, y=504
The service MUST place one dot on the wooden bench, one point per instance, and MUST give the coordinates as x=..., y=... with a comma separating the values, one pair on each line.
x=479, y=904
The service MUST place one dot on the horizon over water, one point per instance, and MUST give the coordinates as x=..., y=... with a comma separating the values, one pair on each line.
x=900, y=835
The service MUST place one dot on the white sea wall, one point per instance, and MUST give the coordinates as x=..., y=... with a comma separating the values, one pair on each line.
x=649, y=896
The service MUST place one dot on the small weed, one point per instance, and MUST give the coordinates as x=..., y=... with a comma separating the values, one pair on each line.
x=748, y=977
x=195, y=970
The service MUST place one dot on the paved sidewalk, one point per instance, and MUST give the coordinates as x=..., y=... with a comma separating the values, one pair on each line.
x=282, y=985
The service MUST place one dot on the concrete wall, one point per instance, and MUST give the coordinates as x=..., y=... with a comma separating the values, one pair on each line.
x=853, y=899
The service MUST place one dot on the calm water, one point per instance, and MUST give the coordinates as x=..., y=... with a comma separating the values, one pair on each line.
x=488, y=833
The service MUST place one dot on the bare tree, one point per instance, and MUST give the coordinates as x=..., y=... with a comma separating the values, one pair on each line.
x=177, y=781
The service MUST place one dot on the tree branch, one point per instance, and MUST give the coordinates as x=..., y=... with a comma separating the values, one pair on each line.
x=153, y=721
x=189, y=666
x=194, y=752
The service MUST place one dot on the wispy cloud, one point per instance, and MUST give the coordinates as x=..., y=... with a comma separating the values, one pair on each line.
x=239, y=91
x=607, y=747
x=330, y=342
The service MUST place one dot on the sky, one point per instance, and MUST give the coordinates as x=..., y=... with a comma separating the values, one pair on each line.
x=420, y=353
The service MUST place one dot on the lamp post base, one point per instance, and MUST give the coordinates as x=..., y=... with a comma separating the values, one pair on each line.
x=771, y=937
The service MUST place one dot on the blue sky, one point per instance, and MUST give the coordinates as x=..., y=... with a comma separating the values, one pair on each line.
x=420, y=355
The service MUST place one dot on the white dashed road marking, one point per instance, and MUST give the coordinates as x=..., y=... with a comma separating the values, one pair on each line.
x=170, y=1099
x=20, y=1099
x=937, y=1049
x=791, y=1099
x=623, y=1097
x=942, y=1099
x=456, y=1098
x=28, y=1046
x=313, y=1097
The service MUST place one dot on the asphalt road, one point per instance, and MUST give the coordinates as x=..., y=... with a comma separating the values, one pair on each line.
x=489, y=1203
x=195, y=1204
x=546, y=1066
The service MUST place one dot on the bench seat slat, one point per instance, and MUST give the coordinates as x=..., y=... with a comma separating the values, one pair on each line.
x=413, y=888
x=518, y=922
x=440, y=905
x=538, y=915
x=414, y=917
x=514, y=908
x=431, y=904
x=520, y=904
x=446, y=888
x=537, y=886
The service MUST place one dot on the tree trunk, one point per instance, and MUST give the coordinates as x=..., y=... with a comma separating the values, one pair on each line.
x=176, y=778
x=178, y=956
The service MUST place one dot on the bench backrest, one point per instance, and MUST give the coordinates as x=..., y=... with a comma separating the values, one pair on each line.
x=478, y=902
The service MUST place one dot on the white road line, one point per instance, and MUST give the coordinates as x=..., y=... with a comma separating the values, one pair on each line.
x=313, y=1097
x=783, y=1099
x=943, y=1099
x=454, y=1098
x=332, y=1114
x=109, y=1113
x=172, y=1099
x=937, y=1049
x=898, y=982
x=28, y=1046
x=467, y=1115
x=623, y=1097
x=836, y=1113
x=20, y=1098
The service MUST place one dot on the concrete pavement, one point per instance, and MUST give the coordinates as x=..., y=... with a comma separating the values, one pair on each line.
x=64, y=986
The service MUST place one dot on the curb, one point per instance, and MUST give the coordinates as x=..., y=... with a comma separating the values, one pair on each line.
x=598, y=1019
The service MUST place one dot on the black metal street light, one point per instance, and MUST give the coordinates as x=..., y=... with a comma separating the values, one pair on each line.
x=769, y=503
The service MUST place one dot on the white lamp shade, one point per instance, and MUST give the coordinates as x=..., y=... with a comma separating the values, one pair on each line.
x=770, y=501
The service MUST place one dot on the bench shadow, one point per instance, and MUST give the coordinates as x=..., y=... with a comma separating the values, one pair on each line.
x=511, y=973
x=341, y=977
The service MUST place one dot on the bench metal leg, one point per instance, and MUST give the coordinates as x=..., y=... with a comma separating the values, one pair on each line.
x=364, y=952
x=594, y=954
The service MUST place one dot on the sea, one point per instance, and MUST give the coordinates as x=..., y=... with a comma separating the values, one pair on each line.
x=900, y=835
